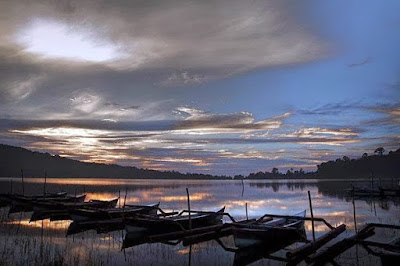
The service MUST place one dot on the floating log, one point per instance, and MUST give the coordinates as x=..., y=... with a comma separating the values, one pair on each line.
x=300, y=253
x=333, y=251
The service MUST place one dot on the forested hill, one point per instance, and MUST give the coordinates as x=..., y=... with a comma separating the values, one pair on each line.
x=385, y=166
x=34, y=164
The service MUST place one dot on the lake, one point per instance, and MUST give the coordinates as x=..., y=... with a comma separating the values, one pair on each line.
x=44, y=242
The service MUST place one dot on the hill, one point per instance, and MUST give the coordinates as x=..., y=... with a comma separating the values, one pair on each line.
x=34, y=164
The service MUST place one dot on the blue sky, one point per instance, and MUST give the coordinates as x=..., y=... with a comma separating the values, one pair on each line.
x=217, y=87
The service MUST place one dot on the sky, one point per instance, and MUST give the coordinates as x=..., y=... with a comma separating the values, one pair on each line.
x=219, y=87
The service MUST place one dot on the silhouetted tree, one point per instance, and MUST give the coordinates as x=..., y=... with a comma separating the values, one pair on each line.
x=365, y=155
x=379, y=151
x=275, y=171
x=346, y=159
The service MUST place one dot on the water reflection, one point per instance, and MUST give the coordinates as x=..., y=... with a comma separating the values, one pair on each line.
x=278, y=197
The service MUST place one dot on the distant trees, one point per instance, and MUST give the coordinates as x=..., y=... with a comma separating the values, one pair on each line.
x=382, y=165
x=275, y=171
x=379, y=151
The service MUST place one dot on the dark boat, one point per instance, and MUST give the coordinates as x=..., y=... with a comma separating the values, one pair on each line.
x=102, y=226
x=246, y=235
x=27, y=203
x=173, y=223
x=79, y=215
x=61, y=211
x=248, y=255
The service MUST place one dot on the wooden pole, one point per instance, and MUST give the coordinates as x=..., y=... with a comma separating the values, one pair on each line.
x=312, y=216
x=119, y=198
x=23, y=185
x=190, y=255
x=247, y=215
x=126, y=194
x=354, y=215
x=242, y=187
x=190, y=215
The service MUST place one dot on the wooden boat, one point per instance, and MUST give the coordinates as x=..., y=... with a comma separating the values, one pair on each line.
x=79, y=215
x=173, y=223
x=60, y=211
x=27, y=203
x=101, y=226
x=389, y=253
x=248, y=255
x=246, y=235
x=6, y=199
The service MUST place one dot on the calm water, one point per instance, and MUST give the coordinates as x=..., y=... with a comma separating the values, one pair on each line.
x=24, y=243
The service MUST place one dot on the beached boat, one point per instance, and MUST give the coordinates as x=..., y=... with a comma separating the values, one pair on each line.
x=161, y=224
x=78, y=215
x=56, y=211
x=246, y=235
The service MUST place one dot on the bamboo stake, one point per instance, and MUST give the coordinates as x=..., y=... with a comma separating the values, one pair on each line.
x=119, y=198
x=242, y=187
x=247, y=215
x=190, y=215
x=312, y=216
x=354, y=215
x=126, y=194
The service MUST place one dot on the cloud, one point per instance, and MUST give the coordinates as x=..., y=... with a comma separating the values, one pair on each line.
x=243, y=122
x=391, y=115
x=228, y=35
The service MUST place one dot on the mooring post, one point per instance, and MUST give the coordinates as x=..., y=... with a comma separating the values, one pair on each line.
x=119, y=198
x=312, y=216
x=354, y=215
x=247, y=215
x=190, y=214
x=23, y=185
x=123, y=208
